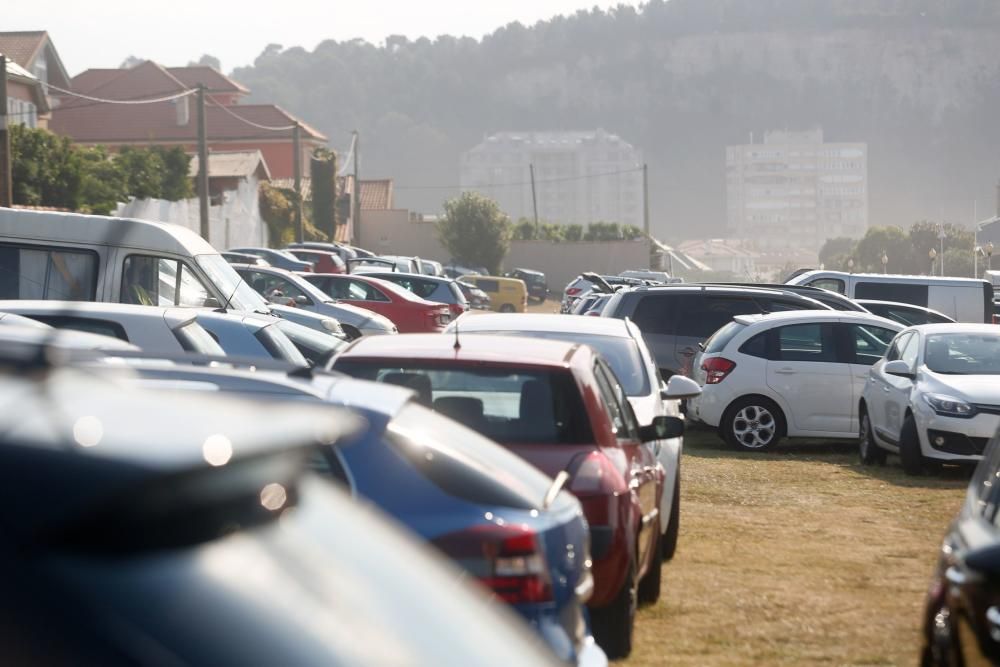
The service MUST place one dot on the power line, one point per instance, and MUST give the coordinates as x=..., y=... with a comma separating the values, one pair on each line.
x=101, y=100
x=585, y=177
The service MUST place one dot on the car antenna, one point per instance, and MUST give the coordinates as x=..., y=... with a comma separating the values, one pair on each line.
x=223, y=308
x=458, y=344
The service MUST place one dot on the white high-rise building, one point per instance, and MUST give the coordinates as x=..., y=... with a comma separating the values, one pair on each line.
x=580, y=177
x=795, y=191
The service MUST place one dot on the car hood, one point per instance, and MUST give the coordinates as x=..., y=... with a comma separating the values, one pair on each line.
x=973, y=388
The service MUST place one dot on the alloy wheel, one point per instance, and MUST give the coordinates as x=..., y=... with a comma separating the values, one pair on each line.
x=754, y=427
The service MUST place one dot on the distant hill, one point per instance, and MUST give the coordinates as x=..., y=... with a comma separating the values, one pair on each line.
x=919, y=80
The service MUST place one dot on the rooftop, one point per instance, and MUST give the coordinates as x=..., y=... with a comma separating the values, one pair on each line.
x=233, y=164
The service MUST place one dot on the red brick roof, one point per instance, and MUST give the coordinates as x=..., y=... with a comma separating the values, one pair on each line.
x=376, y=195
x=139, y=82
x=213, y=80
x=90, y=122
x=23, y=47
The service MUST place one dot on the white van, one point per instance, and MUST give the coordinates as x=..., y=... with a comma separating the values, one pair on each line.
x=75, y=257
x=962, y=299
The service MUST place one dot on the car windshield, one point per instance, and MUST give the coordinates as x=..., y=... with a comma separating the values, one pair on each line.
x=237, y=294
x=622, y=354
x=963, y=353
x=504, y=404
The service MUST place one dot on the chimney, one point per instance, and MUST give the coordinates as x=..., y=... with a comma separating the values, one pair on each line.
x=183, y=111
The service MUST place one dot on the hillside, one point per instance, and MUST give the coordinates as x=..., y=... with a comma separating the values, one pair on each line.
x=916, y=79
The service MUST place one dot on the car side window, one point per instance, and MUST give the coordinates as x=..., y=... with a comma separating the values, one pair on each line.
x=703, y=316
x=757, y=346
x=831, y=284
x=654, y=313
x=85, y=324
x=910, y=351
x=365, y=292
x=806, y=342
x=867, y=343
x=161, y=281
x=615, y=412
x=47, y=273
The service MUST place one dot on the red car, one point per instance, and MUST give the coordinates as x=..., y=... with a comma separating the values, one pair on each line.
x=560, y=407
x=409, y=312
x=322, y=260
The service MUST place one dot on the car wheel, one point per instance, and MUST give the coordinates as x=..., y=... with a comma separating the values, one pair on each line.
x=753, y=423
x=909, y=448
x=674, y=526
x=649, y=587
x=870, y=452
x=613, y=624
x=507, y=308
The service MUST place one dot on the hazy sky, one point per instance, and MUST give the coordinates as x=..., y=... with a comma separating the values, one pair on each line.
x=102, y=33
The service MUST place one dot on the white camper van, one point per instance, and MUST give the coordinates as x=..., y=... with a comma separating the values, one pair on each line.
x=962, y=299
x=69, y=256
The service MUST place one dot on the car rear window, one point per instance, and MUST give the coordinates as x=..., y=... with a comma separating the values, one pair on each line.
x=279, y=346
x=719, y=341
x=509, y=405
x=194, y=338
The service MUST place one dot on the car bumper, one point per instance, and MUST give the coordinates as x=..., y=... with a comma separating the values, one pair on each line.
x=709, y=407
x=954, y=439
x=568, y=638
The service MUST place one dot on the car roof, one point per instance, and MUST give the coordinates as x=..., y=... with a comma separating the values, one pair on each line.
x=117, y=311
x=710, y=288
x=596, y=326
x=792, y=316
x=955, y=327
x=501, y=350
x=402, y=274
x=885, y=278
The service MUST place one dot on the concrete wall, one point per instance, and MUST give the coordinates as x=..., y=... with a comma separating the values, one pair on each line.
x=393, y=233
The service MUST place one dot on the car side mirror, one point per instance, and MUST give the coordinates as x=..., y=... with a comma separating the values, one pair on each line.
x=680, y=387
x=211, y=302
x=662, y=428
x=899, y=368
x=302, y=300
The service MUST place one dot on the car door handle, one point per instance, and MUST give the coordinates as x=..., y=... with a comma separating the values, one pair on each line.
x=785, y=371
x=886, y=389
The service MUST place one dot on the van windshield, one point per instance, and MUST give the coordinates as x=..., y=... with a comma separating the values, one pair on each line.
x=240, y=295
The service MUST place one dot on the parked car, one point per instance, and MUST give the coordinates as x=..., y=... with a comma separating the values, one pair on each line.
x=456, y=270
x=153, y=329
x=621, y=344
x=904, y=313
x=344, y=252
x=295, y=291
x=961, y=618
x=431, y=288
x=21, y=321
x=962, y=299
x=252, y=336
x=834, y=300
x=281, y=259
x=322, y=261
x=560, y=407
x=507, y=295
x=403, y=264
x=651, y=276
x=934, y=397
x=244, y=258
x=25, y=341
x=409, y=312
x=675, y=320
x=580, y=286
x=789, y=374
x=538, y=287
x=477, y=298
x=429, y=267
x=140, y=545
x=318, y=348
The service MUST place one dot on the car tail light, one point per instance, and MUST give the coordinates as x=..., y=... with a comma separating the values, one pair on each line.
x=717, y=369
x=456, y=309
x=996, y=319
x=573, y=291
x=507, y=559
x=596, y=474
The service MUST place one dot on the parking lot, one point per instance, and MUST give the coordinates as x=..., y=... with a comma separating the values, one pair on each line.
x=797, y=557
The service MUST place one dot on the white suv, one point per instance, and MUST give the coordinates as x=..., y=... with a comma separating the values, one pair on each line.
x=794, y=374
x=935, y=397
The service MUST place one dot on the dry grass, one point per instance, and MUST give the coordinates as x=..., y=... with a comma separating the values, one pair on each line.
x=797, y=557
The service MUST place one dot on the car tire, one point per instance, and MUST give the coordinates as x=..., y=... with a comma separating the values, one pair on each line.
x=909, y=448
x=669, y=541
x=753, y=424
x=650, y=585
x=613, y=624
x=507, y=308
x=869, y=452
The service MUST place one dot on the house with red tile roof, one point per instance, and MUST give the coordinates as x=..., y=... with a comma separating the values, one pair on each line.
x=231, y=125
x=27, y=103
x=32, y=64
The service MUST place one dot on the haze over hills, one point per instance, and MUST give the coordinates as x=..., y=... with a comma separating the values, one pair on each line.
x=919, y=80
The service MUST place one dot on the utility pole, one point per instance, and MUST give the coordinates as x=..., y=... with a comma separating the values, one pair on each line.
x=6, y=186
x=297, y=174
x=356, y=194
x=645, y=216
x=534, y=197
x=202, y=164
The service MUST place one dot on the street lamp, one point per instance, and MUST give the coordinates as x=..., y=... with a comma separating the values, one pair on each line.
x=850, y=265
x=885, y=261
x=989, y=255
x=933, y=255
x=941, y=237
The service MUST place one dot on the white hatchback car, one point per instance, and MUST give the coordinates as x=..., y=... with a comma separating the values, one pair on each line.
x=794, y=374
x=935, y=397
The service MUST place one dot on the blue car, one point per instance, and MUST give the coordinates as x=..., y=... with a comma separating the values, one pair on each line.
x=500, y=519
x=279, y=258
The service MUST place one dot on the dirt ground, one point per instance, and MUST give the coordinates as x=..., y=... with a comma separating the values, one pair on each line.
x=800, y=557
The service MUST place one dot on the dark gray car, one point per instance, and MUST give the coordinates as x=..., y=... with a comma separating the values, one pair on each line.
x=675, y=320
x=279, y=258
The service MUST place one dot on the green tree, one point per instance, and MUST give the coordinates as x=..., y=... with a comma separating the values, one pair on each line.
x=323, y=173
x=45, y=169
x=893, y=241
x=835, y=252
x=278, y=214
x=552, y=232
x=143, y=172
x=524, y=230
x=475, y=231
x=176, y=182
x=574, y=233
x=102, y=184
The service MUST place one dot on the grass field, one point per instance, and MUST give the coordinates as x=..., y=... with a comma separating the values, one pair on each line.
x=798, y=557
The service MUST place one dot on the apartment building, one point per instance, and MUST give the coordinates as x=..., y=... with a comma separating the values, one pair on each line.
x=580, y=177
x=794, y=190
